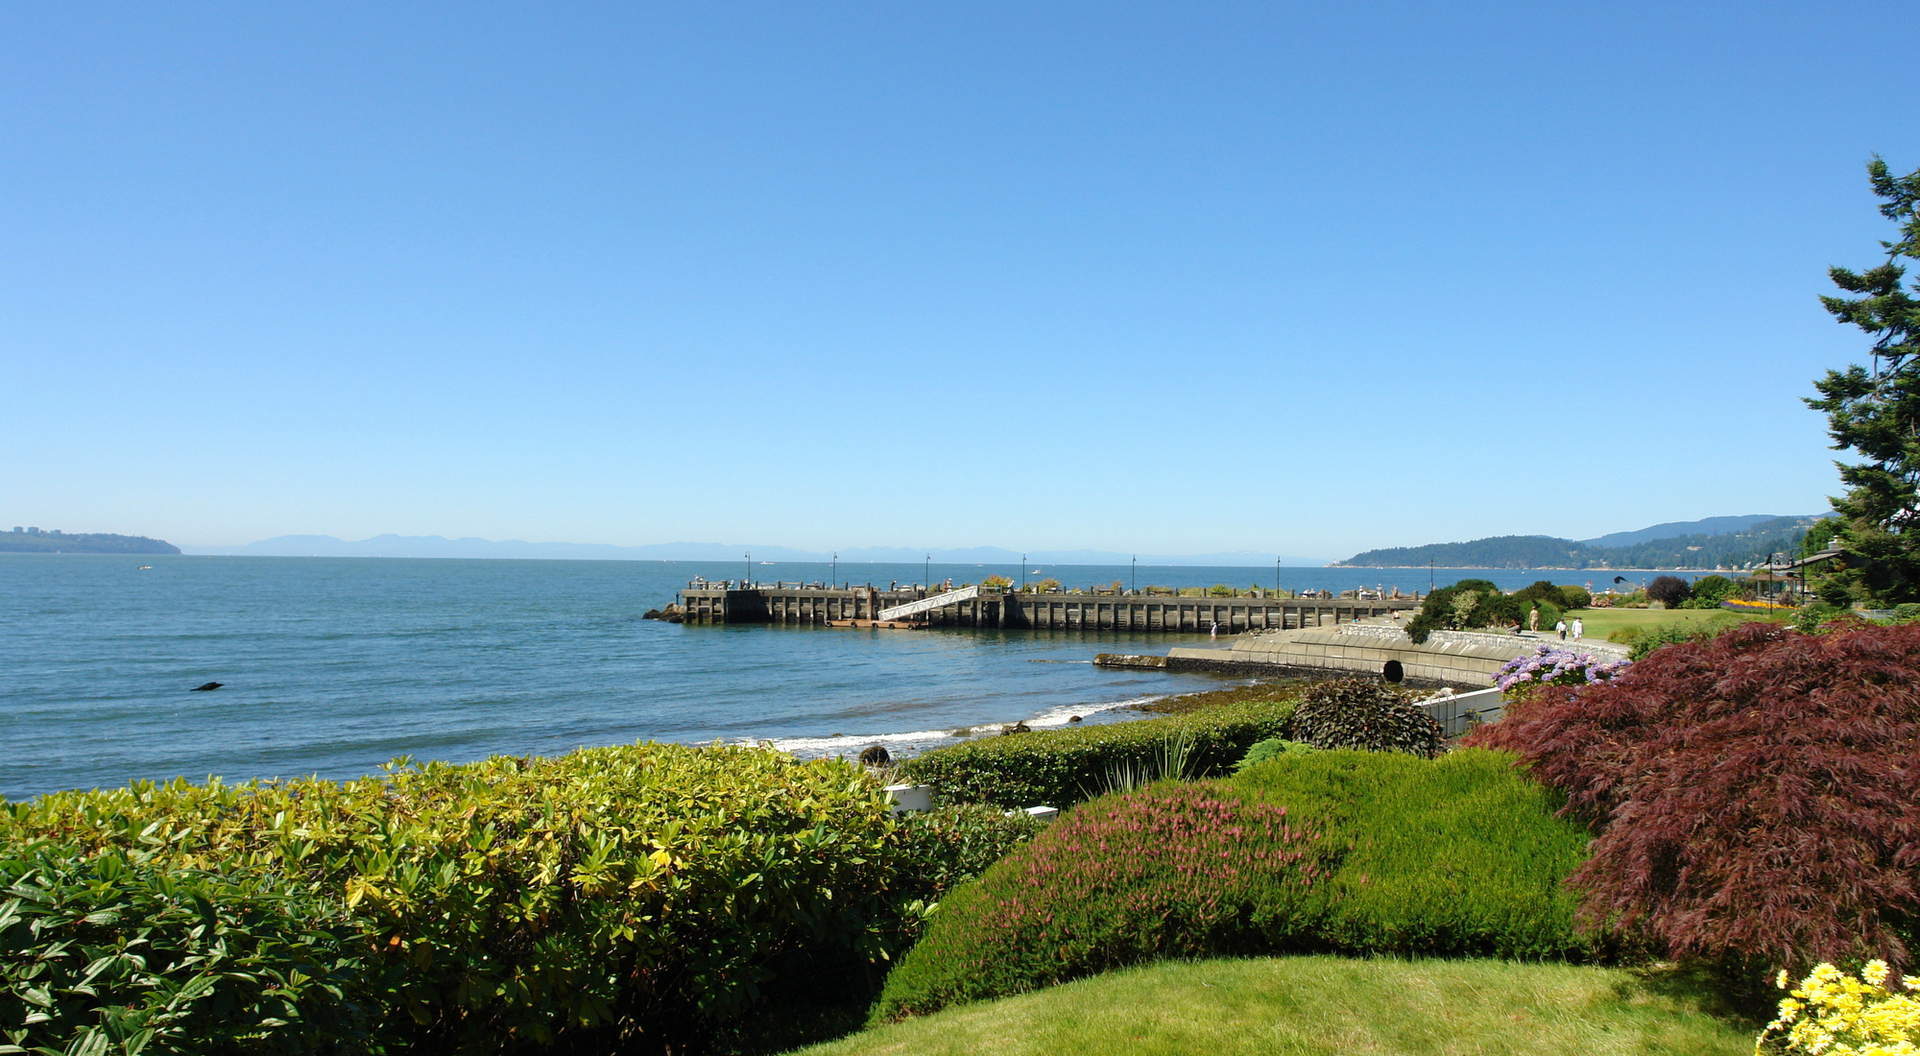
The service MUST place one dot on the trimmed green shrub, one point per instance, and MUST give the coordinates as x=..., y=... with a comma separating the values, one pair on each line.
x=1573, y=596
x=935, y=850
x=1271, y=748
x=637, y=897
x=114, y=954
x=1643, y=641
x=1362, y=713
x=1462, y=855
x=1062, y=767
x=1177, y=869
x=1374, y=852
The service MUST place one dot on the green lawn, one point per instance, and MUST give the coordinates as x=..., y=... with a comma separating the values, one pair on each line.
x=1599, y=623
x=1329, y=1006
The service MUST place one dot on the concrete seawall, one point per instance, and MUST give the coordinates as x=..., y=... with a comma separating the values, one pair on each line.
x=1448, y=658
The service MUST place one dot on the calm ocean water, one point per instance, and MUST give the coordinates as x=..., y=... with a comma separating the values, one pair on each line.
x=334, y=665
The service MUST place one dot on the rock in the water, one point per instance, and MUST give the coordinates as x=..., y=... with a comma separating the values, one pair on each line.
x=1018, y=727
x=876, y=755
x=208, y=686
x=1073, y=718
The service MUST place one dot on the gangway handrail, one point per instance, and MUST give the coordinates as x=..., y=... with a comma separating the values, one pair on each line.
x=915, y=608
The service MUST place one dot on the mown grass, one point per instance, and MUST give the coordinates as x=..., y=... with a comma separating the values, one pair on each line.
x=1601, y=623
x=1323, y=1006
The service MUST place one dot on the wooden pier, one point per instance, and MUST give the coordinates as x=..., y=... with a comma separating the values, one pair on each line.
x=1053, y=610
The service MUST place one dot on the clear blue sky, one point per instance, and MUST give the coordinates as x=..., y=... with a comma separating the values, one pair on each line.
x=1154, y=277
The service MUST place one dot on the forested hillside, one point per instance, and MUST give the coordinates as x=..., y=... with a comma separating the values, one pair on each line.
x=1699, y=550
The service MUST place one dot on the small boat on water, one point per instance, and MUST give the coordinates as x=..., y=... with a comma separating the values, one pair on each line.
x=144, y=568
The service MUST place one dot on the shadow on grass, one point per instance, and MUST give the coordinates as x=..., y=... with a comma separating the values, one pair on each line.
x=1735, y=993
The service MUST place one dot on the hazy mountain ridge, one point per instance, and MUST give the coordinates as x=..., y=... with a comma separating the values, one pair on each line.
x=390, y=545
x=1713, y=542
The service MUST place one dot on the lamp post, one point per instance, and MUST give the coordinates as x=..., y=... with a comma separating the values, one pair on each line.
x=926, y=573
x=1276, y=575
x=833, y=576
x=1023, y=572
x=747, y=578
x=1133, y=574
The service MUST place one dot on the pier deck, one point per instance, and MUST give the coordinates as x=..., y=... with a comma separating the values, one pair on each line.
x=821, y=606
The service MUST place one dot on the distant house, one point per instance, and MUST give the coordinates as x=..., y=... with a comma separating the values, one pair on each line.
x=1786, y=581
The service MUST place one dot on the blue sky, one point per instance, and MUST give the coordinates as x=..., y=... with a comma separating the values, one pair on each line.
x=1307, y=279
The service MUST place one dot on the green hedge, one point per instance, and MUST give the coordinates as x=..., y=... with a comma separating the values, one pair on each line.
x=112, y=953
x=633, y=898
x=1176, y=869
x=1063, y=767
x=1461, y=855
x=1371, y=852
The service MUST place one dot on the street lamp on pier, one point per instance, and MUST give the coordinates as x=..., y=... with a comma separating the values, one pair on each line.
x=833, y=576
x=926, y=572
x=1023, y=572
x=747, y=577
x=1133, y=574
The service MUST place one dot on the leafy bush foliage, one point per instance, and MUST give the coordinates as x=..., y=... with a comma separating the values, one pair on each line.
x=1669, y=591
x=1573, y=596
x=1714, y=589
x=1754, y=792
x=934, y=850
x=115, y=954
x=1548, y=666
x=1062, y=767
x=1642, y=641
x=1356, y=851
x=637, y=898
x=1271, y=748
x=1364, y=714
x=1466, y=604
x=1173, y=870
x=1816, y=618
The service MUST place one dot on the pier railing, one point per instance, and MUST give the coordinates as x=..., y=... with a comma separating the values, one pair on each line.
x=1078, y=610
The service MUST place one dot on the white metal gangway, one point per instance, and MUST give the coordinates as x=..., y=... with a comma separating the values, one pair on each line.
x=915, y=608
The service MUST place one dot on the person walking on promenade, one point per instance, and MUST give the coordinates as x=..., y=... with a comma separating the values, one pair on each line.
x=1577, y=629
x=1562, y=628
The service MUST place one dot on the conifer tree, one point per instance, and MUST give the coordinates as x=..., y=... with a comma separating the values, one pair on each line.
x=1875, y=413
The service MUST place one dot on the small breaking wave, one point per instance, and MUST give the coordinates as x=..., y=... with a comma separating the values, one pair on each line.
x=917, y=741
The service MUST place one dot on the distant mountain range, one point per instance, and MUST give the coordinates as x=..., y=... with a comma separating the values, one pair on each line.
x=1713, y=542
x=440, y=546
